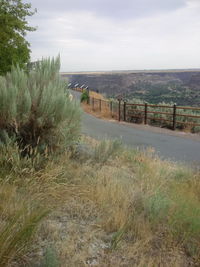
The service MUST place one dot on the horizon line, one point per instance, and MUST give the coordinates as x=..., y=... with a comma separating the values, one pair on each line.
x=136, y=70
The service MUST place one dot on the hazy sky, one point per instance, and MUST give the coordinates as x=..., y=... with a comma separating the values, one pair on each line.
x=117, y=34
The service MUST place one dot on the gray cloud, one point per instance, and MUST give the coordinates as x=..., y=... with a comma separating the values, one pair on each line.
x=113, y=34
x=114, y=9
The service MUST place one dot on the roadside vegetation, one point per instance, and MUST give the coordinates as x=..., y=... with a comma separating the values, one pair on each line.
x=68, y=200
x=101, y=204
x=35, y=109
x=85, y=96
x=37, y=123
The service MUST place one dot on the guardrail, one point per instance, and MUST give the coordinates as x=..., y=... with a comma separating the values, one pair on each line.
x=172, y=117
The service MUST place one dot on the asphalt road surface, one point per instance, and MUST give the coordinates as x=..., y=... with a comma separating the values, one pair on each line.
x=167, y=146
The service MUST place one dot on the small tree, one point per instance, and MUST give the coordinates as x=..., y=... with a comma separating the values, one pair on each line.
x=35, y=109
x=14, y=49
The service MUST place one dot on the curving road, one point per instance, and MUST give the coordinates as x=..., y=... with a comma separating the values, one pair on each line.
x=168, y=146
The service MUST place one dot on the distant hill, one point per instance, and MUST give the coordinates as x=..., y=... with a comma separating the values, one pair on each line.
x=178, y=86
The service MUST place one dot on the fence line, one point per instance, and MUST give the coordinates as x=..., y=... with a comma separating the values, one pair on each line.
x=168, y=116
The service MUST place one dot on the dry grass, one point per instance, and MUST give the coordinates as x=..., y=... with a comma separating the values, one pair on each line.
x=96, y=95
x=112, y=207
x=105, y=110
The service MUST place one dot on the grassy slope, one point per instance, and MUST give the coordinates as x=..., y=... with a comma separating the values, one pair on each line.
x=109, y=206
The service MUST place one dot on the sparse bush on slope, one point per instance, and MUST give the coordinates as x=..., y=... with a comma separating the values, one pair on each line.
x=36, y=115
x=35, y=109
x=105, y=150
x=85, y=96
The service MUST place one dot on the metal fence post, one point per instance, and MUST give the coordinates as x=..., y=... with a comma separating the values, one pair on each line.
x=174, y=117
x=111, y=108
x=119, y=110
x=124, y=110
x=93, y=103
x=88, y=93
x=100, y=105
x=145, y=113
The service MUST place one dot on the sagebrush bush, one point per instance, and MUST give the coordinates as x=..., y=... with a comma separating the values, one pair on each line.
x=35, y=109
x=105, y=150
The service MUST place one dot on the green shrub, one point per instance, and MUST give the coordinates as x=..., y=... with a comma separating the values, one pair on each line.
x=35, y=109
x=50, y=258
x=85, y=96
x=196, y=129
x=185, y=219
x=105, y=150
x=157, y=207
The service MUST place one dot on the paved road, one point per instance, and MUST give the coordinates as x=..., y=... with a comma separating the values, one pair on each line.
x=170, y=147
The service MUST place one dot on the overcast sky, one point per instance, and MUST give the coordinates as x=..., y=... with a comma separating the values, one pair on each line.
x=117, y=34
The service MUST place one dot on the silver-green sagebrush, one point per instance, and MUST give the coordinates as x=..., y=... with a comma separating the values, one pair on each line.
x=35, y=108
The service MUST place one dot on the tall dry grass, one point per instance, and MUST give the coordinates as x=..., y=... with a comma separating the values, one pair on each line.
x=28, y=193
x=105, y=111
x=147, y=202
x=21, y=211
x=96, y=95
x=109, y=206
x=144, y=210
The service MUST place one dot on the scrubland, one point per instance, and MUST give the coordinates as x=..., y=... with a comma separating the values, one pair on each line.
x=102, y=205
x=69, y=200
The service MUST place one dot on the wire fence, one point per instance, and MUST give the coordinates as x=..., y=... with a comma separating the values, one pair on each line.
x=169, y=116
